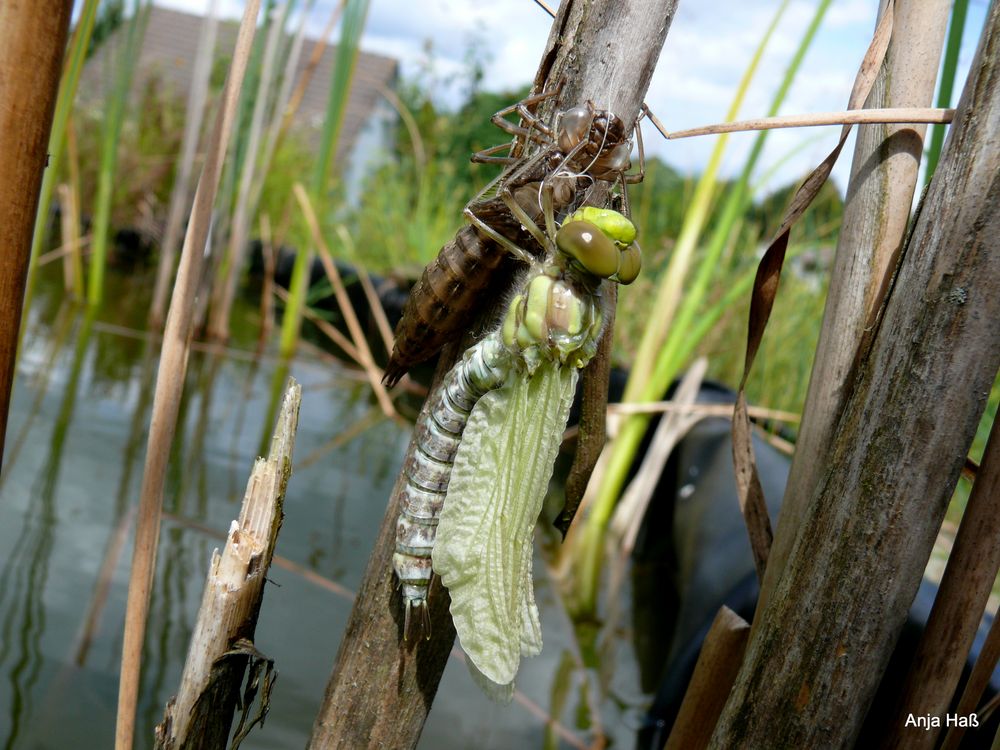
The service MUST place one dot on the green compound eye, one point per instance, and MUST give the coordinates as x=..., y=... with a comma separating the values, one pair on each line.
x=589, y=246
x=631, y=264
x=612, y=223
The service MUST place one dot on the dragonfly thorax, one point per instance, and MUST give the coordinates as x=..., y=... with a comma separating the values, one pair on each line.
x=555, y=318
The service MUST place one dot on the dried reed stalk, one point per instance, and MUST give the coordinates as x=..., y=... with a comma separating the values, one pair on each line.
x=194, y=115
x=210, y=685
x=883, y=116
x=169, y=386
x=70, y=225
x=714, y=674
x=32, y=41
x=224, y=285
x=346, y=308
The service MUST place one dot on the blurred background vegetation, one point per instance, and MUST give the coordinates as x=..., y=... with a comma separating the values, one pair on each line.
x=410, y=203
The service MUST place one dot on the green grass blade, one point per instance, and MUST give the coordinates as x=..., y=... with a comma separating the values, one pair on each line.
x=738, y=200
x=352, y=25
x=947, y=85
x=340, y=85
x=75, y=55
x=669, y=292
x=109, y=150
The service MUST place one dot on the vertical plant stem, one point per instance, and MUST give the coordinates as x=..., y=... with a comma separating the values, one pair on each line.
x=194, y=115
x=949, y=70
x=63, y=108
x=883, y=180
x=224, y=288
x=114, y=116
x=70, y=236
x=32, y=42
x=340, y=84
x=267, y=287
x=169, y=387
x=76, y=249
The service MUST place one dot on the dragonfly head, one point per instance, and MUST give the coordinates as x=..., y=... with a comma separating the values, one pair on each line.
x=599, y=133
x=602, y=242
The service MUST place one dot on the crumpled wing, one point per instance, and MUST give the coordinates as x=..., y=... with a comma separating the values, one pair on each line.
x=483, y=550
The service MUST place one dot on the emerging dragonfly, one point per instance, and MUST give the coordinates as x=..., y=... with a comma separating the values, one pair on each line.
x=488, y=441
x=586, y=145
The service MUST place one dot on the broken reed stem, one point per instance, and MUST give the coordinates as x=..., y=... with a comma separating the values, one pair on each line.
x=713, y=678
x=886, y=115
x=344, y=302
x=233, y=594
x=170, y=384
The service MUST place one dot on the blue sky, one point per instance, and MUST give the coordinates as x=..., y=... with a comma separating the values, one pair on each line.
x=706, y=52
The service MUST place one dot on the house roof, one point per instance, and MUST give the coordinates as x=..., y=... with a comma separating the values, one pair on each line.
x=170, y=46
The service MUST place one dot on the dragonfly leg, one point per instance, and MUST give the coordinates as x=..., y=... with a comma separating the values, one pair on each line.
x=517, y=210
x=535, y=130
x=637, y=177
x=518, y=252
x=486, y=155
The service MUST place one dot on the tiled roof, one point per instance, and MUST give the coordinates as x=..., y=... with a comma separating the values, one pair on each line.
x=171, y=44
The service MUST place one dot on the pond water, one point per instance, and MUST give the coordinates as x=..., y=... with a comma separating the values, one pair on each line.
x=70, y=484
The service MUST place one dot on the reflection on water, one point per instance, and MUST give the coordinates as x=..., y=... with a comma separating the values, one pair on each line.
x=76, y=444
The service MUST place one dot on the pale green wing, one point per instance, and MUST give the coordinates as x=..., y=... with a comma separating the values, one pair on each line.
x=483, y=549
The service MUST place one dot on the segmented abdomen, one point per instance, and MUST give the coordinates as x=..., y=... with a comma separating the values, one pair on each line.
x=428, y=469
x=449, y=294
